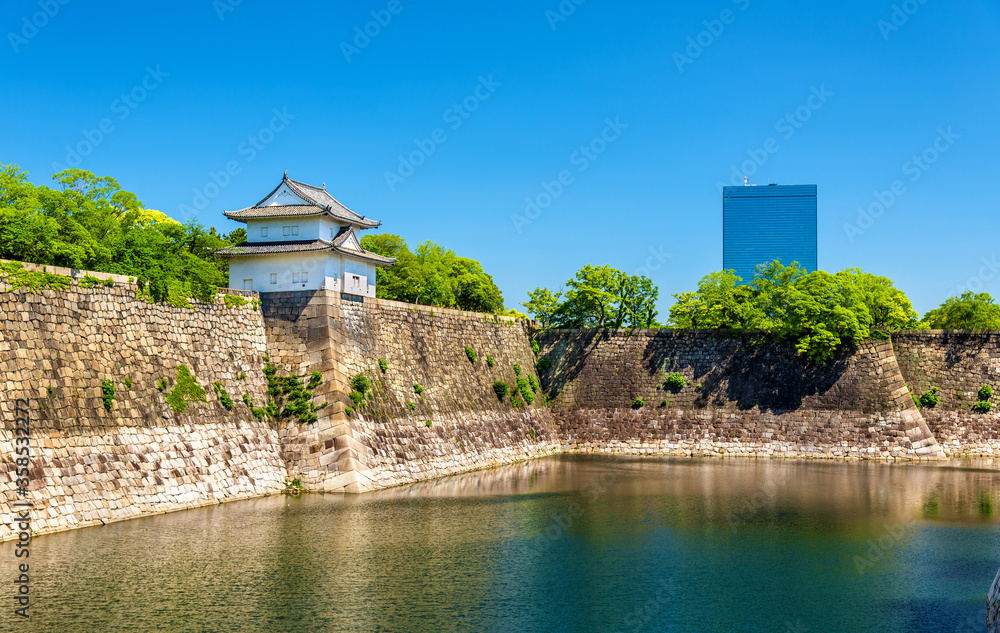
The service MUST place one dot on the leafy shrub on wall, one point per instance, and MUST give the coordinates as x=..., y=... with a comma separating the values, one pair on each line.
x=222, y=395
x=675, y=381
x=929, y=399
x=525, y=390
x=108, y=394
x=186, y=390
x=501, y=388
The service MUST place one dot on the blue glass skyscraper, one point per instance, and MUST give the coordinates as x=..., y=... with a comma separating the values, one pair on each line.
x=763, y=223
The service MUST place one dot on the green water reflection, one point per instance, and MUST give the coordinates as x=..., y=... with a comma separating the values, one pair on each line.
x=562, y=544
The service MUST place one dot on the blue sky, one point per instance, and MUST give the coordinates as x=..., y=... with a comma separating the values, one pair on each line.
x=868, y=86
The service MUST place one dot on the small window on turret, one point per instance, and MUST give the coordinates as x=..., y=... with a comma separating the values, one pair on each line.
x=263, y=231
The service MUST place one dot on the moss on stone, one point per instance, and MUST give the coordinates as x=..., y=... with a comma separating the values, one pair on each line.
x=186, y=390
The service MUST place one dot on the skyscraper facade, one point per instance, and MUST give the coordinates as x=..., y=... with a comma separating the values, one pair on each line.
x=763, y=223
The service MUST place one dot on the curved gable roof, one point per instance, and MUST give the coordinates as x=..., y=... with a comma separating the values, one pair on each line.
x=318, y=202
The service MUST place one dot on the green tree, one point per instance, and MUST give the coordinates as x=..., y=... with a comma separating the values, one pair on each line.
x=236, y=236
x=433, y=275
x=888, y=307
x=637, y=301
x=542, y=305
x=590, y=298
x=473, y=289
x=689, y=311
x=92, y=223
x=402, y=281
x=774, y=291
x=720, y=302
x=823, y=313
x=817, y=311
x=969, y=311
x=597, y=296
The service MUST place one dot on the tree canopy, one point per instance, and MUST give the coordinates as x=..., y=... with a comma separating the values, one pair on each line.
x=92, y=223
x=433, y=275
x=818, y=311
x=597, y=296
x=969, y=311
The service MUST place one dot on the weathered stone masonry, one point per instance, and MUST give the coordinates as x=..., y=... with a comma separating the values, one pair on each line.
x=740, y=397
x=958, y=364
x=386, y=441
x=90, y=466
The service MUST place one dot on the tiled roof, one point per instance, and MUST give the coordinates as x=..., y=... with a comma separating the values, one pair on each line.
x=344, y=237
x=276, y=211
x=271, y=248
x=274, y=248
x=321, y=202
x=368, y=255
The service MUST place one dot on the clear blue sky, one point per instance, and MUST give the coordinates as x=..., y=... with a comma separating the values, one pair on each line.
x=692, y=112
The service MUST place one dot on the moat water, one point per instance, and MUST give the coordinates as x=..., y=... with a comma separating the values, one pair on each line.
x=565, y=544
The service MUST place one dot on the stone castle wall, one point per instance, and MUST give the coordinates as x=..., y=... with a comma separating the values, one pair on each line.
x=469, y=426
x=957, y=363
x=740, y=397
x=90, y=466
x=386, y=440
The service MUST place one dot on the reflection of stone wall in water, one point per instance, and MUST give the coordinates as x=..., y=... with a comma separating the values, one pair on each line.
x=739, y=397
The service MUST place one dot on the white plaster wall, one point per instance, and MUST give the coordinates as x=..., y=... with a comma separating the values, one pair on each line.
x=356, y=278
x=324, y=271
x=260, y=269
x=283, y=196
x=328, y=228
x=309, y=229
x=334, y=272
